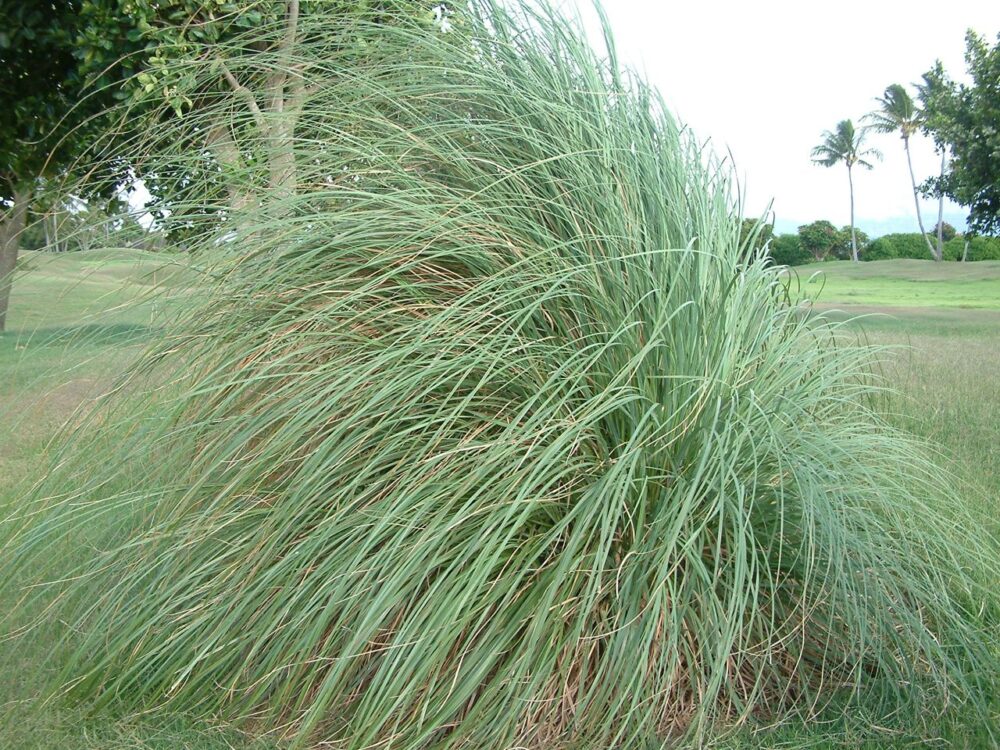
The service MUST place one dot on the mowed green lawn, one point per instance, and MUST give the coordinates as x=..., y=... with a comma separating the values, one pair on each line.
x=76, y=320
x=903, y=283
x=942, y=321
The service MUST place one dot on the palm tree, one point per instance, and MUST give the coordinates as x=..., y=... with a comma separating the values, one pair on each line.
x=844, y=144
x=899, y=114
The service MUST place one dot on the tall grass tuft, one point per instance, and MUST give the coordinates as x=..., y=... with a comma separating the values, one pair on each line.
x=489, y=434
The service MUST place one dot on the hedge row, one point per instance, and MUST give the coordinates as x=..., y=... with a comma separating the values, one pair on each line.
x=787, y=251
x=913, y=245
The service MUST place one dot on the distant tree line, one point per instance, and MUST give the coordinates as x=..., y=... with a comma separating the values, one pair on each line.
x=69, y=225
x=821, y=241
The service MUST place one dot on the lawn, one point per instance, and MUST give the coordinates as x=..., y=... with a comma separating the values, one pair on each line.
x=75, y=322
x=942, y=321
x=74, y=326
x=903, y=283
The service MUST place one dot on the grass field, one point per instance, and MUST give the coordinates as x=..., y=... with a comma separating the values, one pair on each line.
x=73, y=326
x=903, y=283
x=75, y=322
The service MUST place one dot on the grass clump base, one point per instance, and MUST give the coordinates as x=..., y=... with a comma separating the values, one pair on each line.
x=490, y=434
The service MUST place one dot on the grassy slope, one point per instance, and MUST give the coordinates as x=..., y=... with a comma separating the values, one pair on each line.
x=71, y=321
x=944, y=320
x=69, y=333
x=943, y=366
x=904, y=283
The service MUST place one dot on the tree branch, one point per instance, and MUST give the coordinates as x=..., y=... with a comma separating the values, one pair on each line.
x=244, y=93
x=292, y=26
x=278, y=79
x=298, y=92
x=10, y=180
x=219, y=141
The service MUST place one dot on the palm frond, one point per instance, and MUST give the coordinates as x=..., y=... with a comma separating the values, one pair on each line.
x=897, y=112
x=843, y=144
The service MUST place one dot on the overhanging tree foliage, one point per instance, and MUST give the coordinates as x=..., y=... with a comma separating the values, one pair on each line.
x=63, y=63
x=44, y=119
x=965, y=119
x=156, y=60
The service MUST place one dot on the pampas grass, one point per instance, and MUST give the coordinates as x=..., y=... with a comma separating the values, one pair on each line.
x=491, y=435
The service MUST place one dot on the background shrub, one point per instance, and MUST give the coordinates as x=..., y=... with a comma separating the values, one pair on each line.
x=980, y=248
x=897, y=245
x=913, y=246
x=819, y=238
x=879, y=250
x=947, y=231
x=786, y=250
x=842, y=248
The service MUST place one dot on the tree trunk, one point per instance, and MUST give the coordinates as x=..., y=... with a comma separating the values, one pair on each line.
x=11, y=227
x=220, y=142
x=916, y=200
x=281, y=156
x=940, y=224
x=283, y=97
x=965, y=250
x=52, y=225
x=284, y=111
x=854, y=238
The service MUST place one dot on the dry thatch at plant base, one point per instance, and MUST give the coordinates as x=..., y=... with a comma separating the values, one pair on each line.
x=488, y=435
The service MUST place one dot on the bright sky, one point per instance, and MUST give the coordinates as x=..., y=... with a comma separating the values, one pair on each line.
x=764, y=80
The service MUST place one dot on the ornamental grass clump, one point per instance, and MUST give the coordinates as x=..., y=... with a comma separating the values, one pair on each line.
x=489, y=433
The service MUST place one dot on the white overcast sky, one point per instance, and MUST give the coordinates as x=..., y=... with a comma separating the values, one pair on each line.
x=764, y=79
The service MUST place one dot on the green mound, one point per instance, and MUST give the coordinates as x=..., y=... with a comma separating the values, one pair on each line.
x=491, y=435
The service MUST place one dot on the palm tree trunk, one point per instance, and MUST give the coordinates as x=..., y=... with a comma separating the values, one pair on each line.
x=916, y=200
x=854, y=239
